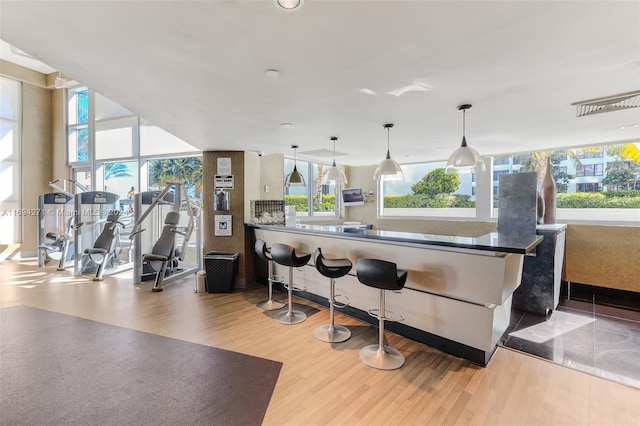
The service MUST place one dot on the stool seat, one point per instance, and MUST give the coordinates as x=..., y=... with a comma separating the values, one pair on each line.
x=263, y=253
x=286, y=255
x=380, y=274
x=384, y=276
x=332, y=268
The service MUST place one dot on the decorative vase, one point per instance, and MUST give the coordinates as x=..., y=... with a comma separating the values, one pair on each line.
x=549, y=195
x=540, y=208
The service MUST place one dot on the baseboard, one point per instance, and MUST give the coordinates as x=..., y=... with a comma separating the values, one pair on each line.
x=600, y=295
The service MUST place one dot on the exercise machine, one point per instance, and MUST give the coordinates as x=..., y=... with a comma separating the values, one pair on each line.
x=55, y=219
x=106, y=249
x=166, y=236
x=55, y=222
x=93, y=210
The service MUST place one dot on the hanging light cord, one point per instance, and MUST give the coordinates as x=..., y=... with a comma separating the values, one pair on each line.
x=334, y=139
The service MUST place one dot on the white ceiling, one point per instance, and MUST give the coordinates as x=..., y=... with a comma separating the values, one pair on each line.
x=197, y=69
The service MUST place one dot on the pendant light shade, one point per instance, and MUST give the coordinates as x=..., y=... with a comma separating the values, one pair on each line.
x=334, y=173
x=465, y=158
x=388, y=169
x=294, y=178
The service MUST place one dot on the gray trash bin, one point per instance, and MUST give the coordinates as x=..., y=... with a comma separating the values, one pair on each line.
x=221, y=268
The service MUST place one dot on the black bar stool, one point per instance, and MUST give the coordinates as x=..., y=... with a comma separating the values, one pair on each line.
x=382, y=275
x=263, y=253
x=284, y=254
x=332, y=268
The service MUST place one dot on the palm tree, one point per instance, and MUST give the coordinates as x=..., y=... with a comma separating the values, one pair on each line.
x=115, y=170
x=626, y=151
x=184, y=169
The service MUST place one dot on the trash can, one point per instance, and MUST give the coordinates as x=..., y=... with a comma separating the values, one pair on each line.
x=201, y=282
x=221, y=269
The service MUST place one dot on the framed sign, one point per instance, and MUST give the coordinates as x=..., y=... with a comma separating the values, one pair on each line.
x=222, y=225
x=223, y=182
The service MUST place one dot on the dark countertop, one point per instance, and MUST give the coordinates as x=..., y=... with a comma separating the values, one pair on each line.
x=493, y=241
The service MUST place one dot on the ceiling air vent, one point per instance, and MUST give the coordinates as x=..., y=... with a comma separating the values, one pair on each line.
x=608, y=104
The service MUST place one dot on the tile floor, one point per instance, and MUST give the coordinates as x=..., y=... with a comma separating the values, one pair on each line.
x=597, y=339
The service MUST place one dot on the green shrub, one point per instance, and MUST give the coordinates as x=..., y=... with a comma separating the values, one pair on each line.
x=577, y=200
x=599, y=200
x=420, y=201
x=300, y=202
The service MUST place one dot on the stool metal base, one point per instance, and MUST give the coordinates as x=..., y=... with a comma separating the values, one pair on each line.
x=290, y=317
x=335, y=334
x=385, y=358
x=270, y=305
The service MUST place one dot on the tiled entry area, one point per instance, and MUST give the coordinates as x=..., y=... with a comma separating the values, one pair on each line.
x=602, y=340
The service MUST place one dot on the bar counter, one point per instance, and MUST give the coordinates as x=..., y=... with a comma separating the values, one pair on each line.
x=458, y=294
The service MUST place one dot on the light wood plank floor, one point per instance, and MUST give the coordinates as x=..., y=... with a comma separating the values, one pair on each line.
x=323, y=384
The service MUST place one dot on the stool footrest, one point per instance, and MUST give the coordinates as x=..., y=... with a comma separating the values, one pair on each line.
x=389, y=315
x=340, y=305
x=295, y=288
x=277, y=279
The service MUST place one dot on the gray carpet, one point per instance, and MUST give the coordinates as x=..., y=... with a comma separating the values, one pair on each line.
x=57, y=369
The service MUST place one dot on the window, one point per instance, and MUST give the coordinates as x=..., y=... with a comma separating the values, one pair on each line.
x=589, y=152
x=78, y=122
x=314, y=198
x=428, y=191
x=589, y=187
x=590, y=170
x=10, y=170
x=108, y=141
x=183, y=169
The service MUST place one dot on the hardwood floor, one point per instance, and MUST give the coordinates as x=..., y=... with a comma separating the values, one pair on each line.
x=321, y=383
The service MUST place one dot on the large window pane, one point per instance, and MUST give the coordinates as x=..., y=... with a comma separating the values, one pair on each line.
x=182, y=169
x=121, y=178
x=298, y=195
x=115, y=138
x=428, y=191
x=106, y=108
x=78, y=106
x=156, y=141
x=10, y=168
x=79, y=144
x=9, y=95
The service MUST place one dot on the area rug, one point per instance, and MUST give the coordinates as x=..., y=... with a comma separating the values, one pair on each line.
x=59, y=369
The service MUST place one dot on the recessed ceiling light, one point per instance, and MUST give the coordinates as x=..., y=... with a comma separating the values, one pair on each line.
x=287, y=125
x=289, y=4
x=630, y=126
x=272, y=73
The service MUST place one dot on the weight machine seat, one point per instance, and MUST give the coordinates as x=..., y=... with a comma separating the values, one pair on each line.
x=106, y=241
x=164, y=250
x=105, y=244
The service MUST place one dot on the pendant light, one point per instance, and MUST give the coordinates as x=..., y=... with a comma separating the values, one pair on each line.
x=465, y=158
x=289, y=4
x=388, y=169
x=334, y=173
x=294, y=178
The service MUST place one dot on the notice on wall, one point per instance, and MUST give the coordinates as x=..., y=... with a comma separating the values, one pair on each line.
x=224, y=166
x=222, y=225
x=223, y=182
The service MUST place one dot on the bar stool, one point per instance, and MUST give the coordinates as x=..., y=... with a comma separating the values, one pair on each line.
x=382, y=275
x=285, y=255
x=332, y=268
x=263, y=253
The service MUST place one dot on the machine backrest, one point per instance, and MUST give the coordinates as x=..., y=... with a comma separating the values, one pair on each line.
x=165, y=245
x=106, y=240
